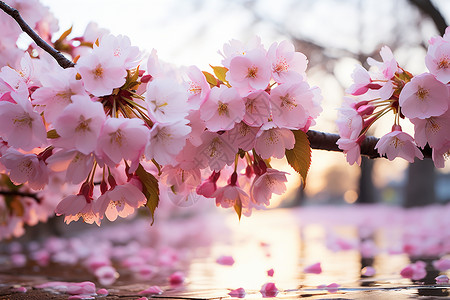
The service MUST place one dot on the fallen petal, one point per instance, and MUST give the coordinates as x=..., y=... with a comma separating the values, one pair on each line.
x=314, y=269
x=238, y=293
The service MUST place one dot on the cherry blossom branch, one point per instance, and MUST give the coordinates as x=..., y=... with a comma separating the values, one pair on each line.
x=21, y=194
x=327, y=141
x=14, y=13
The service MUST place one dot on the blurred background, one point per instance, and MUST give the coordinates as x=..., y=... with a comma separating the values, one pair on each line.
x=334, y=35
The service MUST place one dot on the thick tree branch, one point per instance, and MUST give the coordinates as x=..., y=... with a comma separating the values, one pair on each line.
x=327, y=141
x=427, y=7
x=14, y=13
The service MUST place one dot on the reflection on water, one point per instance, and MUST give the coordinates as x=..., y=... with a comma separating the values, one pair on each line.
x=342, y=239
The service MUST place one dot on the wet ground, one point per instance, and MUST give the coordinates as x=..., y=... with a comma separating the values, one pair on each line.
x=343, y=239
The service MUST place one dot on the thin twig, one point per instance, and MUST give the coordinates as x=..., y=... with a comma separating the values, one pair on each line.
x=21, y=194
x=14, y=13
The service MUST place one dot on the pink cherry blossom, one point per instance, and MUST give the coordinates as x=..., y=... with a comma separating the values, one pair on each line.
x=361, y=80
x=424, y=97
x=198, y=87
x=101, y=71
x=386, y=70
x=237, y=48
x=225, y=260
x=57, y=92
x=119, y=48
x=76, y=206
x=269, y=290
x=122, y=139
x=209, y=186
x=250, y=72
x=75, y=164
x=437, y=59
x=351, y=148
x=414, y=271
x=238, y=293
x=257, y=108
x=215, y=152
x=223, y=109
x=121, y=201
x=18, y=80
x=398, y=144
x=167, y=100
x=287, y=65
x=291, y=104
x=21, y=126
x=273, y=141
x=25, y=168
x=79, y=125
x=263, y=186
x=230, y=195
x=313, y=269
x=432, y=130
x=166, y=141
x=439, y=155
x=242, y=136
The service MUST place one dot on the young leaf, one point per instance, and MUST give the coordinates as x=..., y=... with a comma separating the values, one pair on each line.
x=150, y=189
x=238, y=208
x=299, y=157
x=211, y=79
x=221, y=73
x=52, y=134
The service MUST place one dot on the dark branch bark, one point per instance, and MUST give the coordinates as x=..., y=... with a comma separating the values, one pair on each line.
x=327, y=141
x=21, y=194
x=427, y=7
x=14, y=13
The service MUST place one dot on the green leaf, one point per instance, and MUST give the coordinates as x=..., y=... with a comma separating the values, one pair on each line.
x=238, y=208
x=221, y=73
x=150, y=189
x=211, y=79
x=300, y=156
x=52, y=134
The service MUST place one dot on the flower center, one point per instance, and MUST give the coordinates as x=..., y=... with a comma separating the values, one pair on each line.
x=281, y=66
x=288, y=102
x=98, y=71
x=422, y=93
x=396, y=142
x=83, y=125
x=252, y=72
x=24, y=120
x=223, y=108
x=444, y=63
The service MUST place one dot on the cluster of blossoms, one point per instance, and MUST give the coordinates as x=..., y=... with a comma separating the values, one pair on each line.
x=121, y=130
x=424, y=99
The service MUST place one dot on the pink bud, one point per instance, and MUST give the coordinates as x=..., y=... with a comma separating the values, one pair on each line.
x=368, y=271
x=270, y=272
